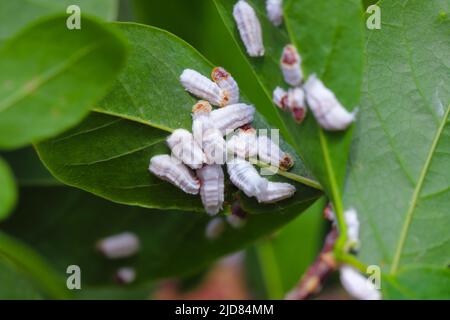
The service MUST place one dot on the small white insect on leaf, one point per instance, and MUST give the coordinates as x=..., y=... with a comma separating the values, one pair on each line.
x=171, y=170
x=351, y=219
x=202, y=87
x=118, y=246
x=232, y=117
x=290, y=65
x=280, y=98
x=215, y=228
x=214, y=146
x=235, y=221
x=212, y=187
x=227, y=83
x=200, y=120
x=125, y=275
x=327, y=110
x=269, y=152
x=357, y=285
x=297, y=105
x=276, y=191
x=245, y=177
x=244, y=143
x=249, y=28
x=274, y=10
x=182, y=144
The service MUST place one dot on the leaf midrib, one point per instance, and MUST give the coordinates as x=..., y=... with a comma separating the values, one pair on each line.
x=29, y=87
x=416, y=194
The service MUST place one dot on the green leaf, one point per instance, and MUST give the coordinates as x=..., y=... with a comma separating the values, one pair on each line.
x=108, y=154
x=399, y=177
x=16, y=14
x=14, y=285
x=416, y=283
x=332, y=48
x=172, y=242
x=28, y=169
x=8, y=192
x=50, y=76
x=33, y=266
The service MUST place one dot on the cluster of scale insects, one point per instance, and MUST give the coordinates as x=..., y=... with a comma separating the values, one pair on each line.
x=195, y=165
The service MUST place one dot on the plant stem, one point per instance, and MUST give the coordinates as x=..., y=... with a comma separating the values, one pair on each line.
x=292, y=176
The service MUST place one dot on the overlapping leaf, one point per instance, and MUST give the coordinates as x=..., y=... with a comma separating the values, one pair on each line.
x=7, y=190
x=16, y=14
x=50, y=76
x=399, y=175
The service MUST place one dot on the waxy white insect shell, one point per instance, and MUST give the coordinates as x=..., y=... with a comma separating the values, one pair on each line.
x=327, y=110
x=200, y=120
x=214, y=146
x=182, y=144
x=245, y=177
x=118, y=246
x=276, y=191
x=125, y=275
x=227, y=83
x=249, y=28
x=297, y=104
x=232, y=117
x=171, y=170
x=274, y=10
x=202, y=87
x=280, y=98
x=244, y=143
x=290, y=66
x=270, y=153
x=215, y=228
x=212, y=188
x=357, y=285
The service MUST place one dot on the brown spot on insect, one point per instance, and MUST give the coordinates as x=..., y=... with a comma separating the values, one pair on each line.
x=227, y=83
x=290, y=65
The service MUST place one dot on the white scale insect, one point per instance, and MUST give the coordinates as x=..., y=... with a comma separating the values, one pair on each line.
x=270, y=153
x=357, y=285
x=274, y=10
x=327, y=110
x=183, y=146
x=214, y=146
x=292, y=100
x=290, y=66
x=215, y=228
x=169, y=169
x=249, y=28
x=212, y=187
x=200, y=120
x=118, y=246
x=204, y=88
x=125, y=275
x=276, y=191
x=227, y=83
x=232, y=117
x=246, y=178
x=244, y=143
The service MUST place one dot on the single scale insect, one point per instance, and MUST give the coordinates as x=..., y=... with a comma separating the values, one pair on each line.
x=212, y=187
x=227, y=83
x=290, y=66
x=274, y=10
x=204, y=88
x=327, y=110
x=249, y=28
x=183, y=146
x=169, y=169
x=118, y=246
